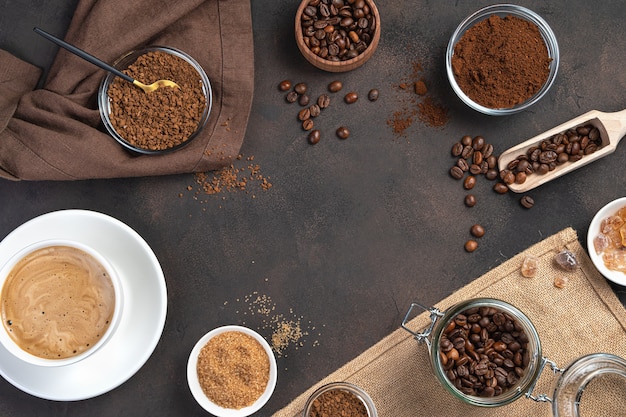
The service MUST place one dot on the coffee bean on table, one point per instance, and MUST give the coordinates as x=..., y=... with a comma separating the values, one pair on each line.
x=304, y=100
x=462, y=163
x=500, y=188
x=314, y=136
x=323, y=101
x=466, y=140
x=307, y=124
x=477, y=230
x=456, y=172
x=470, y=182
x=304, y=114
x=527, y=201
x=351, y=97
x=470, y=200
x=292, y=97
x=471, y=245
x=373, y=94
x=478, y=142
x=284, y=85
x=300, y=88
x=335, y=86
x=457, y=149
x=315, y=110
x=343, y=132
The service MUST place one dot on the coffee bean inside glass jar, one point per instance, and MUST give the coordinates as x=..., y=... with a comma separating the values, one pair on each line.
x=484, y=351
x=337, y=30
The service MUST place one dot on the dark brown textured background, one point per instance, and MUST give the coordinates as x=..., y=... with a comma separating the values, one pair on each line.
x=351, y=231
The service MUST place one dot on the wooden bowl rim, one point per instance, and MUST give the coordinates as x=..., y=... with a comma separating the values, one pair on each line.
x=337, y=66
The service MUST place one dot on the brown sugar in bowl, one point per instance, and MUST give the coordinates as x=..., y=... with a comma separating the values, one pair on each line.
x=161, y=121
x=341, y=65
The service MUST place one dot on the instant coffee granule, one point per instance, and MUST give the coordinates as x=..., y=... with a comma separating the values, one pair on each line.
x=161, y=119
x=501, y=62
x=338, y=402
x=233, y=370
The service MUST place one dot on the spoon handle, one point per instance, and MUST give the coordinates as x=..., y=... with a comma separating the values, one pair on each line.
x=83, y=54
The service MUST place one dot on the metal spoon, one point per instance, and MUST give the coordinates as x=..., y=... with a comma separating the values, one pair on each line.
x=612, y=127
x=79, y=52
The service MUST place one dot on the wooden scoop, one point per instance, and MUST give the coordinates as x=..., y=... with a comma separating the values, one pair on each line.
x=612, y=127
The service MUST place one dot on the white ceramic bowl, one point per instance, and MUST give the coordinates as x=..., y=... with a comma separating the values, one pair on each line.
x=21, y=354
x=196, y=389
x=594, y=228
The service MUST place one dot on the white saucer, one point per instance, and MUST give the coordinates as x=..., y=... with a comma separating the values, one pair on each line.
x=143, y=318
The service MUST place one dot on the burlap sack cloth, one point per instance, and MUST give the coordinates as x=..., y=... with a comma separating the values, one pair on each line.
x=54, y=133
x=582, y=318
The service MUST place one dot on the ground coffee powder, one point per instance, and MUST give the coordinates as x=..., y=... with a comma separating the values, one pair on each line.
x=501, y=62
x=163, y=118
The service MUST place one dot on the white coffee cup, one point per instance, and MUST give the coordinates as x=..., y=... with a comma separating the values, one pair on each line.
x=67, y=315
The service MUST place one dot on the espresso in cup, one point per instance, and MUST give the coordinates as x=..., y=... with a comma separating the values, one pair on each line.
x=57, y=302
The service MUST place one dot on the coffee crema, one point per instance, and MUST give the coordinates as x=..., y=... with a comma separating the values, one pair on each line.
x=57, y=302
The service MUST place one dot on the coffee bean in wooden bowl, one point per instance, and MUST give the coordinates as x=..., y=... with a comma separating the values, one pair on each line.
x=337, y=35
x=163, y=120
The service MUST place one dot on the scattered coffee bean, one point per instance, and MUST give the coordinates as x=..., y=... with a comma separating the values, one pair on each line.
x=470, y=200
x=335, y=86
x=291, y=97
x=456, y=172
x=304, y=114
x=462, y=163
x=314, y=136
x=351, y=97
x=500, y=188
x=307, y=124
x=471, y=245
x=527, y=202
x=323, y=101
x=300, y=88
x=343, y=132
x=491, y=174
x=457, y=149
x=470, y=182
x=284, y=85
x=478, y=142
x=484, y=351
x=304, y=100
x=315, y=110
x=466, y=140
x=477, y=230
x=373, y=94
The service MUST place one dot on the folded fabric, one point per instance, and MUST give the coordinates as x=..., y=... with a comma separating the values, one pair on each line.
x=55, y=132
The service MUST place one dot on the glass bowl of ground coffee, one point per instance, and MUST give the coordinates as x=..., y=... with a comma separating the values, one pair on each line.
x=339, y=399
x=163, y=120
x=502, y=59
x=337, y=35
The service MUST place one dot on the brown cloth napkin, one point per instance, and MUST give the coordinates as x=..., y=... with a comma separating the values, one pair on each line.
x=54, y=133
x=583, y=317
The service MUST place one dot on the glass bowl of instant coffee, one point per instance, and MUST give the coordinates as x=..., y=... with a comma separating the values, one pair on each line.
x=337, y=35
x=339, y=399
x=502, y=59
x=163, y=120
x=232, y=371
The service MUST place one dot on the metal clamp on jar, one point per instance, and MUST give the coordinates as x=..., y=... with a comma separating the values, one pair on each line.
x=487, y=353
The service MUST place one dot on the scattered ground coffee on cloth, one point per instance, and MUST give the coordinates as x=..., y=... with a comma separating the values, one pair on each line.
x=54, y=133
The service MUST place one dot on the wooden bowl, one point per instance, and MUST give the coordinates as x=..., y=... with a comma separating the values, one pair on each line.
x=341, y=65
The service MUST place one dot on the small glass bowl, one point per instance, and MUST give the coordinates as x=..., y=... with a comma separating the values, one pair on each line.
x=124, y=62
x=594, y=229
x=504, y=10
x=342, y=386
